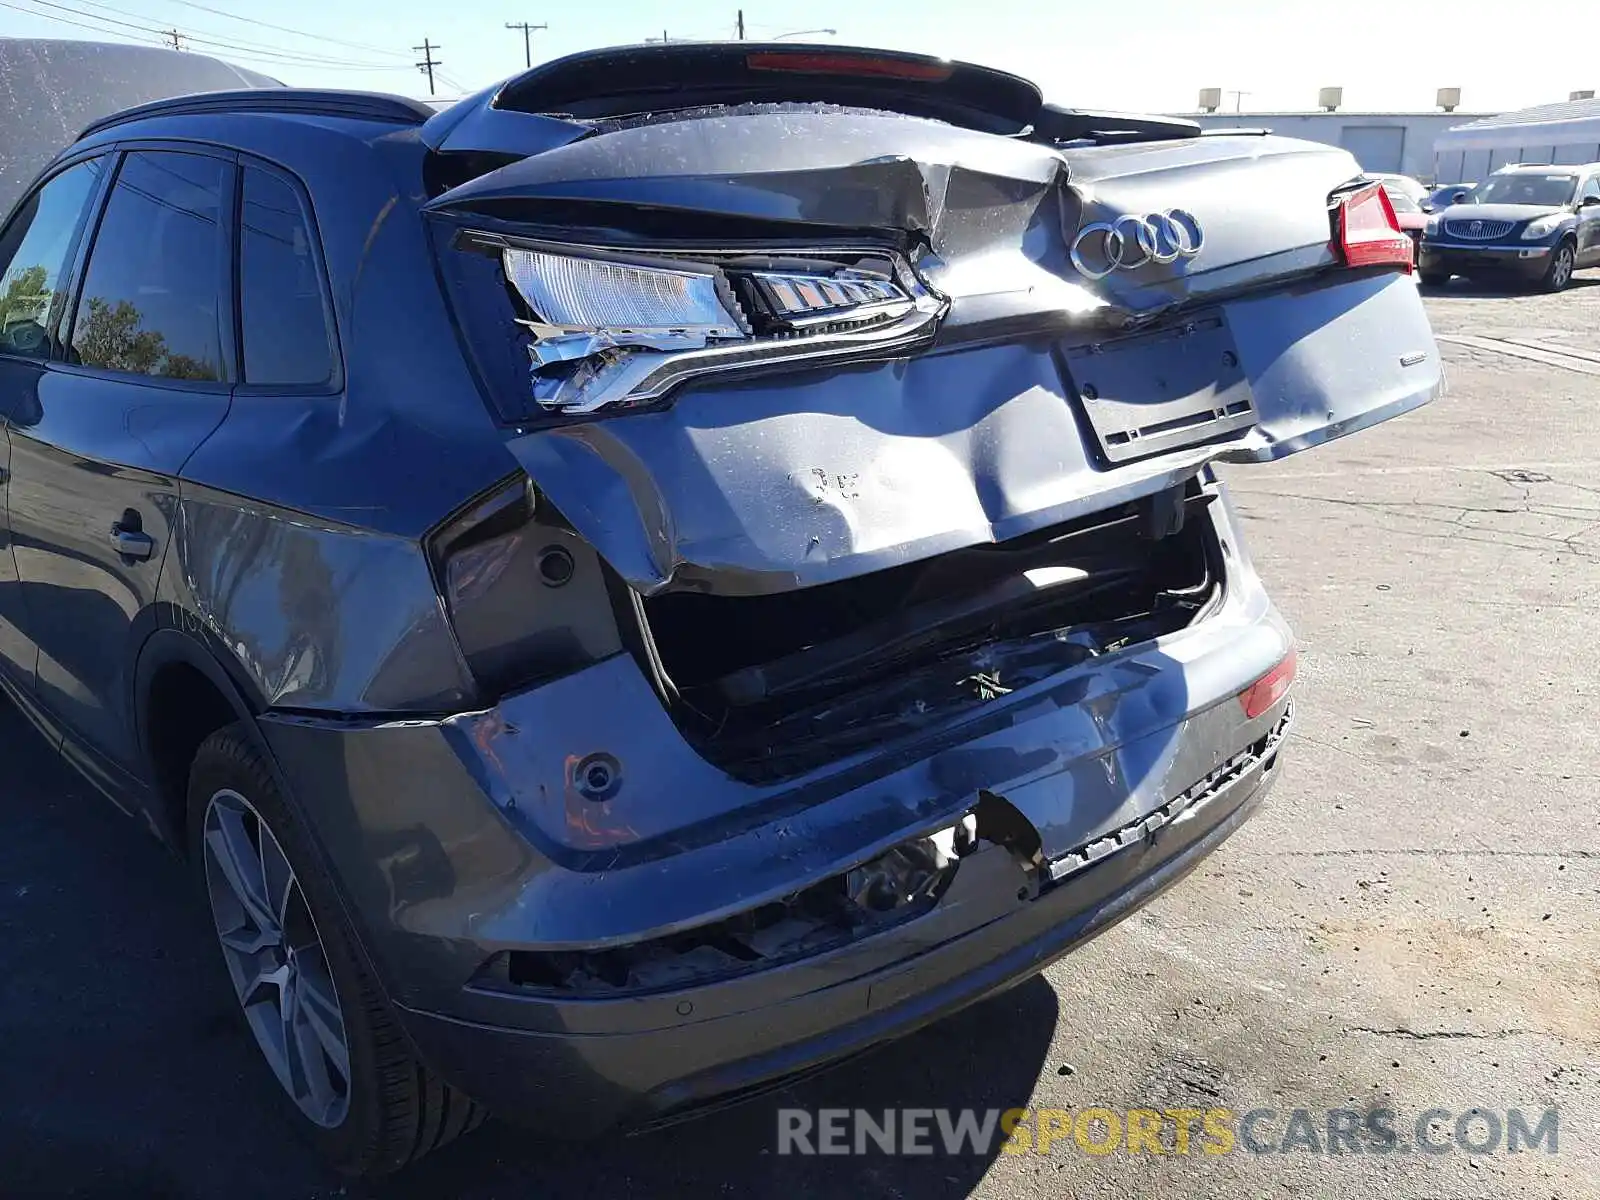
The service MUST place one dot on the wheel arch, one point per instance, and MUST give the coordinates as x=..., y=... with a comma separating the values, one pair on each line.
x=182, y=692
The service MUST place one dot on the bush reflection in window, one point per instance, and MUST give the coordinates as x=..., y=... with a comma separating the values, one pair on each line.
x=149, y=299
x=34, y=250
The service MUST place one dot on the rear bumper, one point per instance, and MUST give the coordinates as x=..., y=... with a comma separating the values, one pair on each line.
x=1527, y=261
x=462, y=843
x=583, y=1085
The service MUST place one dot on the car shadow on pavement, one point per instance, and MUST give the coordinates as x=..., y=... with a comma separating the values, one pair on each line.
x=127, y=1073
x=986, y=1057
x=1489, y=288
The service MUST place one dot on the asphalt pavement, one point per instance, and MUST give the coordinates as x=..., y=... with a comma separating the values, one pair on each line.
x=1410, y=924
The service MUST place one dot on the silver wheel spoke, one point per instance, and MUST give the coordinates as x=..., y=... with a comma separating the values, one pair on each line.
x=245, y=940
x=240, y=865
x=266, y=985
x=276, y=959
x=277, y=879
x=320, y=1011
x=308, y=1064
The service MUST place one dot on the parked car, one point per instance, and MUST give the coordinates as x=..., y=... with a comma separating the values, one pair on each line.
x=1403, y=185
x=678, y=569
x=1536, y=224
x=1406, y=197
x=1446, y=195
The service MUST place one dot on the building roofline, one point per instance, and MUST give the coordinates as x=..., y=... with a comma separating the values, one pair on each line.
x=1343, y=112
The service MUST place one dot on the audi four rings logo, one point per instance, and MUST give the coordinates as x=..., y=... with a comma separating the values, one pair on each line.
x=1132, y=241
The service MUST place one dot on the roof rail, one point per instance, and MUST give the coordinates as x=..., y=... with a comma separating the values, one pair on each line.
x=365, y=106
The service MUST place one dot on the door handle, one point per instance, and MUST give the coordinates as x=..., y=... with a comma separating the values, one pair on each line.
x=132, y=542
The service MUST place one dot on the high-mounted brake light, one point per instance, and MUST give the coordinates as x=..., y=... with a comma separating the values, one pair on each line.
x=1366, y=233
x=867, y=65
x=1270, y=688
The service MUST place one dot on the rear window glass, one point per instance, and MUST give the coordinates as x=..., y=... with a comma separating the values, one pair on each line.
x=283, y=320
x=1400, y=198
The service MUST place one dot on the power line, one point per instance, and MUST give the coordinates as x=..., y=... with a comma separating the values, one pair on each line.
x=527, y=41
x=231, y=44
x=79, y=24
x=161, y=38
x=429, y=62
x=276, y=52
x=289, y=29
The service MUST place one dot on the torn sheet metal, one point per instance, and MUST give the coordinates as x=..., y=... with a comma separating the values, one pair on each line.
x=842, y=169
x=762, y=483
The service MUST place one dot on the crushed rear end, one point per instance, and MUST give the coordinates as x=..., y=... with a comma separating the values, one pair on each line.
x=866, y=626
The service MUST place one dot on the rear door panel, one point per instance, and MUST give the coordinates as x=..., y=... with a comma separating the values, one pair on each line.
x=108, y=431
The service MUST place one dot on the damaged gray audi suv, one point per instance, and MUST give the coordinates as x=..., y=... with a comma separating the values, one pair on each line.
x=676, y=569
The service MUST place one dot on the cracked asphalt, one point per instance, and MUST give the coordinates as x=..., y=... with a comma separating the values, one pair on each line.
x=1413, y=921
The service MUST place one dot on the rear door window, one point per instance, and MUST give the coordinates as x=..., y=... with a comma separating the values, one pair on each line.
x=149, y=302
x=283, y=320
x=34, y=250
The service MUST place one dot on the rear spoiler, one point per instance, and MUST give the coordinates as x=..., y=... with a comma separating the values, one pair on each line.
x=1083, y=124
x=598, y=91
x=627, y=80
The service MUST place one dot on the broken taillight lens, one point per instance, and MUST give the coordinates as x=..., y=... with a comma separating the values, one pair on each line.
x=1270, y=688
x=1366, y=232
x=608, y=328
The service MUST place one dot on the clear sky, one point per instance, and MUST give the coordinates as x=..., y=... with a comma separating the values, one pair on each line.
x=1149, y=54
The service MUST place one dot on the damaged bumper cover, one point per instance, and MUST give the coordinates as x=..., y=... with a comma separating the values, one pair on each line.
x=585, y=923
x=991, y=931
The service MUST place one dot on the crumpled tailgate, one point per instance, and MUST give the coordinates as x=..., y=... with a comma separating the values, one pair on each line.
x=776, y=481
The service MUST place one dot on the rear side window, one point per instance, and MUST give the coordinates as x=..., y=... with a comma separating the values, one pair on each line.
x=283, y=321
x=149, y=300
x=34, y=250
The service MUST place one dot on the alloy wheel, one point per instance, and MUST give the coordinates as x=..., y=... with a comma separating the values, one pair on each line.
x=276, y=958
x=1561, y=271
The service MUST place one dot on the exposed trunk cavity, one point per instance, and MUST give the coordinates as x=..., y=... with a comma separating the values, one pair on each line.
x=769, y=686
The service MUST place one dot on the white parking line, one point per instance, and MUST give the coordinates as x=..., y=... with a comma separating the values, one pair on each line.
x=1425, y=469
x=1549, y=357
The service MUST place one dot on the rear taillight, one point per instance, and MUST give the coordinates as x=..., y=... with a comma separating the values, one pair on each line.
x=1366, y=233
x=1270, y=688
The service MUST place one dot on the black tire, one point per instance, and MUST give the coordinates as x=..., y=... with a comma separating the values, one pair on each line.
x=1433, y=278
x=397, y=1110
x=1562, y=264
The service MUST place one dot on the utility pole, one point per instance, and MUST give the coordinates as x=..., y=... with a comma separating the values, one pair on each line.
x=177, y=38
x=429, y=62
x=741, y=24
x=527, y=44
x=1238, y=100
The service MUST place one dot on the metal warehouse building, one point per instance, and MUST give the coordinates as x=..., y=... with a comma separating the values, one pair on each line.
x=1400, y=142
x=1550, y=133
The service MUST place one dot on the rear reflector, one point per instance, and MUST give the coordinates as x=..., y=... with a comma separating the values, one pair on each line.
x=1366, y=232
x=870, y=66
x=1270, y=688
